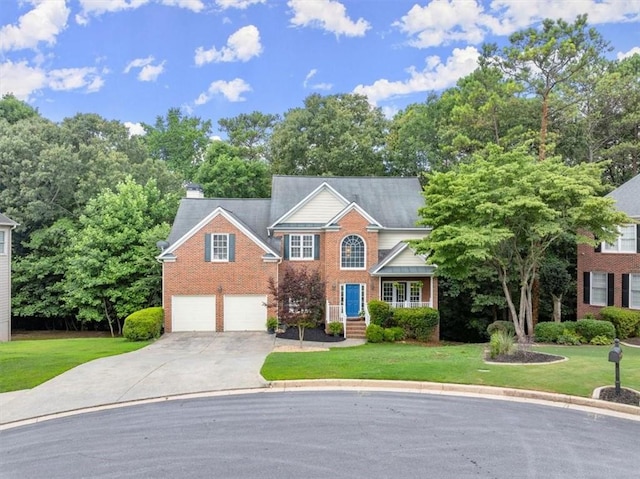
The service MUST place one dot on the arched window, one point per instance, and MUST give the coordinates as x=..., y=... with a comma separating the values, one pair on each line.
x=352, y=252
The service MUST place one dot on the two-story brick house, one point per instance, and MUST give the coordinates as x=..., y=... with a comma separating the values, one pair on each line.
x=221, y=253
x=609, y=275
x=6, y=226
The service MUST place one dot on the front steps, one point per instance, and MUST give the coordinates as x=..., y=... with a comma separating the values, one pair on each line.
x=356, y=328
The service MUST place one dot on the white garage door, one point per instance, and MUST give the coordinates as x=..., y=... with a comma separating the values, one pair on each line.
x=193, y=313
x=246, y=312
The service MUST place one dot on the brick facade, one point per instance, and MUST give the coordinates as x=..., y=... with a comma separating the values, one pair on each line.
x=613, y=263
x=191, y=275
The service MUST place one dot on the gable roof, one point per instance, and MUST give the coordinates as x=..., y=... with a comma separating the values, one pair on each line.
x=392, y=201
x=627, y=197
x=252, y=214
x=6, y=221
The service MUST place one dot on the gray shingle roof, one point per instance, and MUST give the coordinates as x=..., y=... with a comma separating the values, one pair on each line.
x=5, y=220
x=627, y=197
x=392, y=201
x=252, y=213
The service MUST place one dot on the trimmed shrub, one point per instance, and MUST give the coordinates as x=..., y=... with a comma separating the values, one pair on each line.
x=636, y=333
x=374, y=333
x=548, y=332
x=393, y=334
x=590, y=328
x=144, y=324
x=601, y=341
x=335, y=328
x=417, y=323
x=501, y=342
x=624, y=320
x=506, y=326
x=380, y=313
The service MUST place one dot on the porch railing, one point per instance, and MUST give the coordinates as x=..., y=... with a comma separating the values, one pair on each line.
x=409, y=304
x=334, y=313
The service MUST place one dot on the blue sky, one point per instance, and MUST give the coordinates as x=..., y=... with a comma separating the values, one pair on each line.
x=132, y=60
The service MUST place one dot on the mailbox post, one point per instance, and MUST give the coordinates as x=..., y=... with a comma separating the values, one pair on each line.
x=615, y=356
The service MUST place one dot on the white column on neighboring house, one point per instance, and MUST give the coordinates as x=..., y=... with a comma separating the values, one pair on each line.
x=431, y=291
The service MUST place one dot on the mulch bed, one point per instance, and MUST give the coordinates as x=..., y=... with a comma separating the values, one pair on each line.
x=626, y=396
x=310, y=334
x=525, y=357
x=634, y=341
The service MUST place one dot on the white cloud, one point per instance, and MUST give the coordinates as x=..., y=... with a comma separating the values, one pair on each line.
x=240, y=4
x=231, y=90
x=135, y=129
x=241, y=46
x=435, y=76
x=42, y=24
x=630, y=53
x=315, y=86
x=65, y=79
x=441, y=22
x=21, y=79
x=309, y=76
x=327, y=15
x=148, y=71
x=95, y=8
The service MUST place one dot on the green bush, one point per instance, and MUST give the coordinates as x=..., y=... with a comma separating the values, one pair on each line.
x=624, y=320
x=417, y=323
x=548, y=332
x=380, y=313
x=506, y=326
x=144, y=324
x=336, y=328
x=398, y=333
x=388, y=335
x=636, y=333
x=570, y=338
x=501, y=342
x=374, y=333
x=601, y=340
x=590, y=328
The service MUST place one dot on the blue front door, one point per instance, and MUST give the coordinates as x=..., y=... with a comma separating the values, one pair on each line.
x=352, y=300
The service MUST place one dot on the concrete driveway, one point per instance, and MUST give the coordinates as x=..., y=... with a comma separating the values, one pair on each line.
x=178, y=363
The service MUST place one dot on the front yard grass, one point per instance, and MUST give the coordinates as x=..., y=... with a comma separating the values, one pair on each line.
x=586, y=369
x=25, y=364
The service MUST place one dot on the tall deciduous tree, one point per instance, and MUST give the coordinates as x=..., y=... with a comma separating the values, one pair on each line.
x=504, y=210
x=332, y=135
x=179, y=140
x=547, y=58
x=112, y=270
x=224, y=174
x=250, y=132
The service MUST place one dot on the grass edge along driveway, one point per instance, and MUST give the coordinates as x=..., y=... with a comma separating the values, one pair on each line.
x=25, y=364
x=586, y=369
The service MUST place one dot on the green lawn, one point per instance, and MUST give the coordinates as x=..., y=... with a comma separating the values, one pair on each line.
x=586, y=369
x=25, y=364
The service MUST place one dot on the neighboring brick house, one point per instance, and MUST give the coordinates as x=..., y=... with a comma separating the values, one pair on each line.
x=609, y=275
x=221, y=253
x=6, y=226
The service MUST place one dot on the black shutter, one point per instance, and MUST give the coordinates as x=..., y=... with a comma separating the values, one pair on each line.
x=598, y=248
x=586, y=287
x=610, y=290
x=638, y=238
x=232, y=247
x=316, y=246
x=625, y=290
x=207, y=247
x=285, y=238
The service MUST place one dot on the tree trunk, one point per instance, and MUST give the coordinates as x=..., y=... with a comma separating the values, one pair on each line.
x=542, y=153
x=106, y=312
x=512, y=308
x=557, y=308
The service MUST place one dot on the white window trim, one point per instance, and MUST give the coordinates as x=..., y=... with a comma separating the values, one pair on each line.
x=301, y=247
x=617, y=246
x=364, y=252
x=3, y=244
x=606, y=278
x=213, y=242
x=407, y=287
x=631, y=291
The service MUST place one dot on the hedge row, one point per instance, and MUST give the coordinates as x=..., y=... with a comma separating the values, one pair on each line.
x=416, y=323
x=592, y=331
x=626, y=322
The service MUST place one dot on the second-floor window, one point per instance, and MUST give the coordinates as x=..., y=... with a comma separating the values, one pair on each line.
x=626, y=242
x=2, y=243
x=352, y=252
x=301, y=247
x=219, y=247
